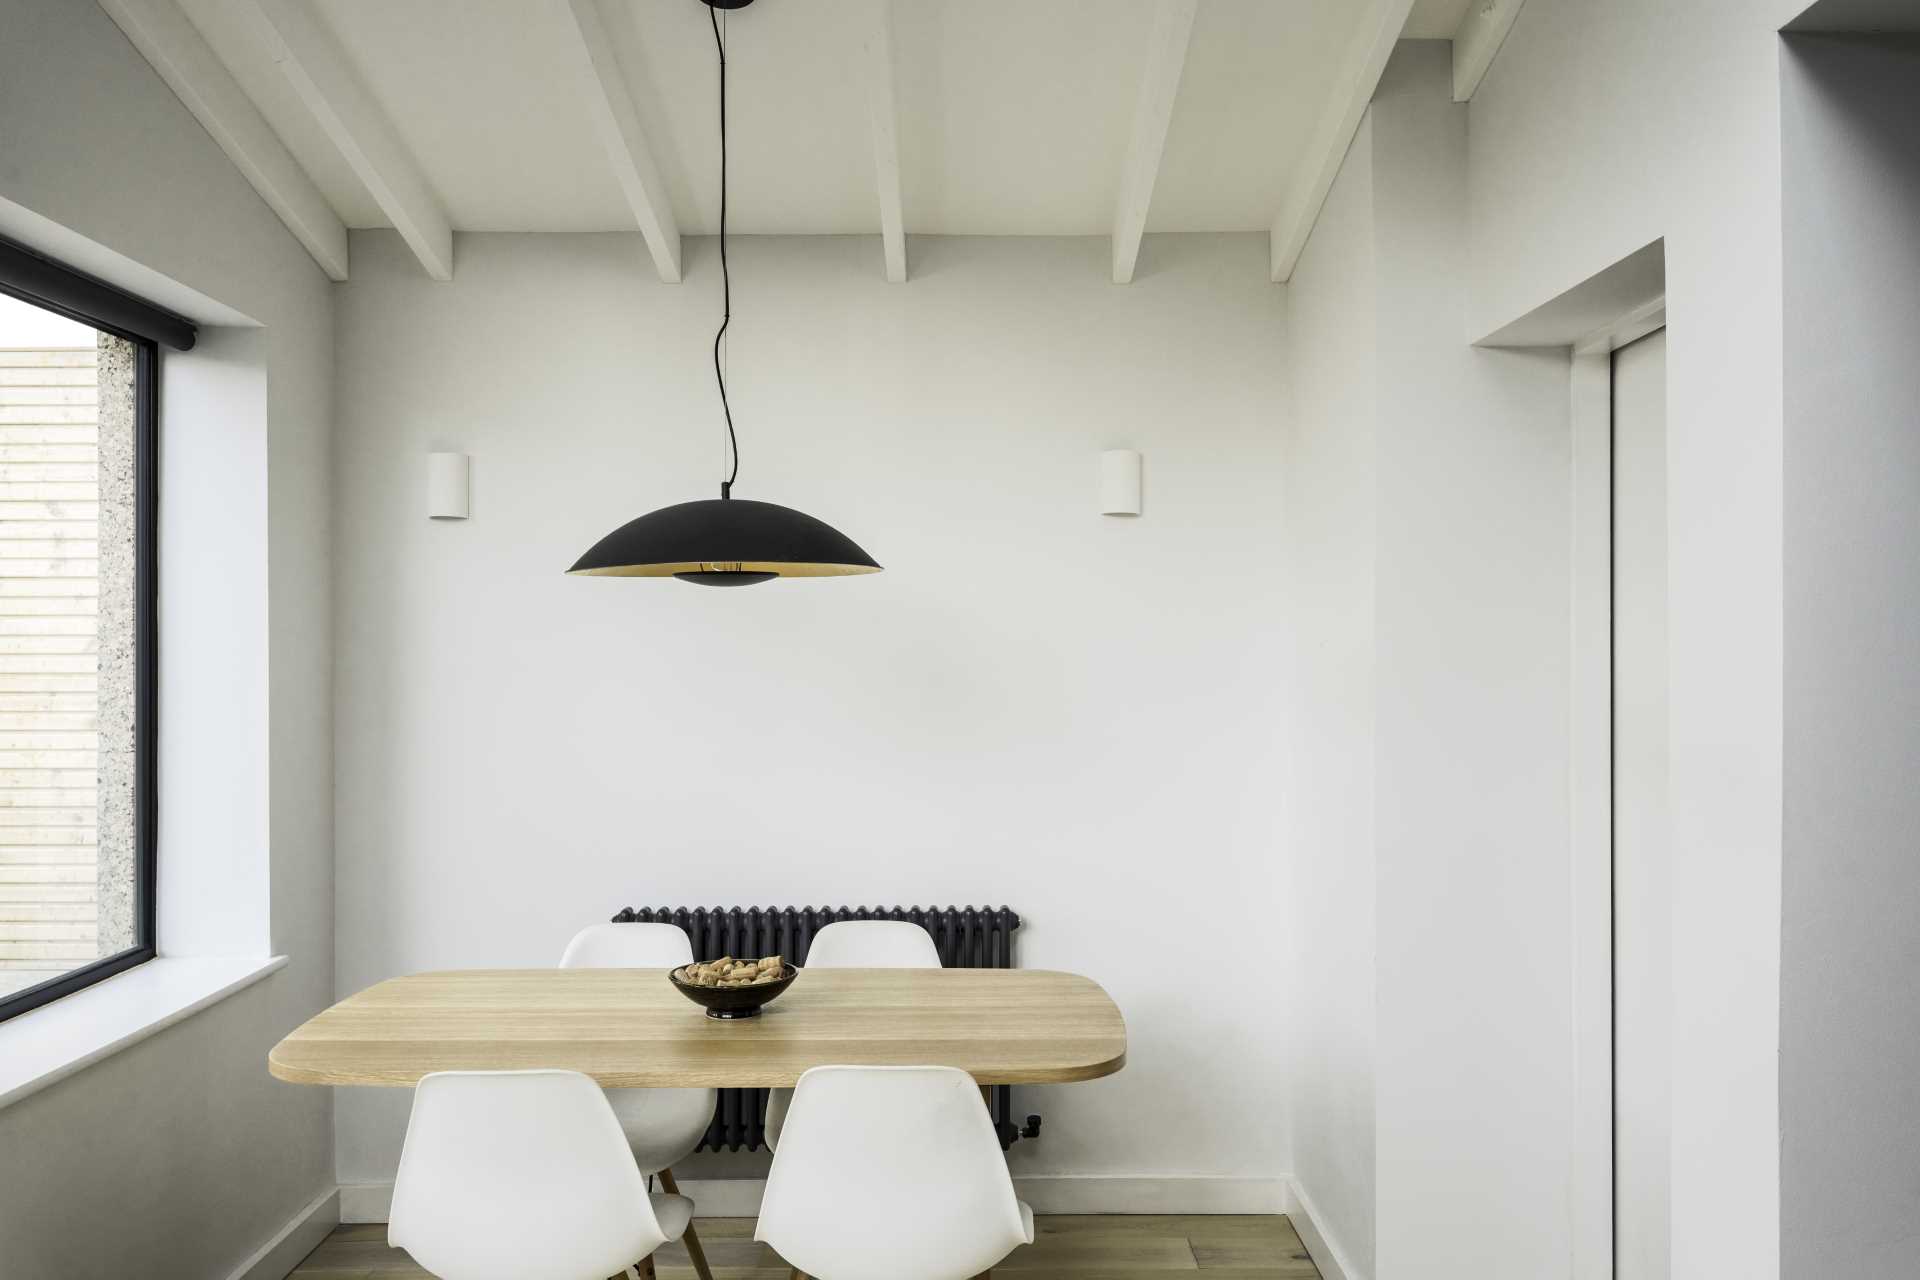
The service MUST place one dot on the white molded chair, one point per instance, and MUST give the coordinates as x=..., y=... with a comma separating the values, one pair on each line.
x=857, y=944
x=891, y=1173
x=873, y=944
x=510, y=1174
x=628, y=946
x=663, y=1126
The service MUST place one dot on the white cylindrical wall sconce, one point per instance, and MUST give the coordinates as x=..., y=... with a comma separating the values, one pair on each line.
x=1120, y=482
x=447, y=486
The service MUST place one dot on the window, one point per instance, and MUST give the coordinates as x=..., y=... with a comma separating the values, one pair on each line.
x=79, y=366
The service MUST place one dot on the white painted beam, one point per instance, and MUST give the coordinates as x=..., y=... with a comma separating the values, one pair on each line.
x=1152, y=113
x=1365, y=60
x=169, y=40
x=1477, y=39
x=313, y=64
x=617, y=122
x=878, y=42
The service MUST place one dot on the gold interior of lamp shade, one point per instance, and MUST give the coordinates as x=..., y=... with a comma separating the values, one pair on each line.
x=782, y=568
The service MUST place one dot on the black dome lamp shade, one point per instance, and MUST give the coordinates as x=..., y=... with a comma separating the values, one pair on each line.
x=725, y=541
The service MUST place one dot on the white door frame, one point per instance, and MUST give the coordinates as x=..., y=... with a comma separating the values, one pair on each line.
x=1590, y=786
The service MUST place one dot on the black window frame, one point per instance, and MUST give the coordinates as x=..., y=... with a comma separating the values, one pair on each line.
x=43, y=282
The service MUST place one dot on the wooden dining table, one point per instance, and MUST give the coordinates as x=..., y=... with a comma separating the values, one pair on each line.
x=629, y=1028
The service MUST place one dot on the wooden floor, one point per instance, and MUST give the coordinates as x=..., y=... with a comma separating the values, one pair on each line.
x=1069, y=1248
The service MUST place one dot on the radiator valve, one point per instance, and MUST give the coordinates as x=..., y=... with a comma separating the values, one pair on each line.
x=1011, y=1133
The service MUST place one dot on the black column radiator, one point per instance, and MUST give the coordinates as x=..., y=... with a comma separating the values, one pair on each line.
x=967, y=938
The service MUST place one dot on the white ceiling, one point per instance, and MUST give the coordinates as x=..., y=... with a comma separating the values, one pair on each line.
x=1438, y=19
x=1014, y=116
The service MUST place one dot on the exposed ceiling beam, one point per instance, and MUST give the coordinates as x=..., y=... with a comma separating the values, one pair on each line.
x=617, y=123
x=320, y=74
x=1366, y=58
x=886, y=137
x=168, y=40
x=1477, y=39
x=1152, y=113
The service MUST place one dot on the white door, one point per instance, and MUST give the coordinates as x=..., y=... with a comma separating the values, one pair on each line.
x=1642, y=910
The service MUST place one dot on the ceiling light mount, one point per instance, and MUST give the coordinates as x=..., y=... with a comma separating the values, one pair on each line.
x=725, y=541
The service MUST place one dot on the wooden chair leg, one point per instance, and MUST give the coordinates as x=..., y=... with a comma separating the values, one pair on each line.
x=690, y=1238
x=698, y=1254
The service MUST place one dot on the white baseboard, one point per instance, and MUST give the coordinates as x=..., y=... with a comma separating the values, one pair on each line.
x=1173, y=1193
x=1334, y=1262
x=300, y=1237
x=365, y=1201
x=1058, y=1193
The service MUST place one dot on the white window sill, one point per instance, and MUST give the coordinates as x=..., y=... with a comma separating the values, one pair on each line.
x=58, y=1039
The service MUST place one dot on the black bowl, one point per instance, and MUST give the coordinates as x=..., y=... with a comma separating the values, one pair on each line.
x=734, y=1002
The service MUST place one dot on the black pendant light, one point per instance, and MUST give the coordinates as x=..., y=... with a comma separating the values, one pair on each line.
x=725, y=541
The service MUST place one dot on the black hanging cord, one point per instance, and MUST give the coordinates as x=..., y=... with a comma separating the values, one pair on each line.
x=726, y=281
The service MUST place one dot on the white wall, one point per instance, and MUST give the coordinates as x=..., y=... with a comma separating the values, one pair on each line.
x=1850, y=1028
x=1328, y=547
x=1037, y=705
x=1428, y=822
x=1471, y=817
x=1600, y=128
x=180, y=1157
x=213, y=470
